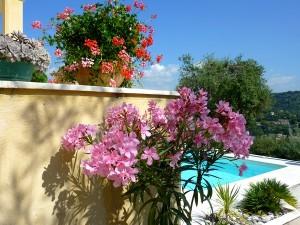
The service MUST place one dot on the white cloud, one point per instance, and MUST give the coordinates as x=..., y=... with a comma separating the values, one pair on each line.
x=281, y=83
x=161, y=77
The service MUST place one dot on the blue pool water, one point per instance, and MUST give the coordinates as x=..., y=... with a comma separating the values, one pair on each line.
x=230, y=172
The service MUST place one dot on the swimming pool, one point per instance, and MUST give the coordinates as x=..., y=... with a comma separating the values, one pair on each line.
x=229, y=172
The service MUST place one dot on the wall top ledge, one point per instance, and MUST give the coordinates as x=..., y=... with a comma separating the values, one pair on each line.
x=82, y=88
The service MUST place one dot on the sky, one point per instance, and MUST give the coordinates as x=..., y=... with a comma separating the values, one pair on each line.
x=265, y=30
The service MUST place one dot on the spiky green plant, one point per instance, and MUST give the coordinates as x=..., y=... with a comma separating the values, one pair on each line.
x=226, y=198
x=265, y=196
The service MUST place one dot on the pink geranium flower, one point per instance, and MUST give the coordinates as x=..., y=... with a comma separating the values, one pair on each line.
x=112, y=83
x=90, y=7
x=107, y=67
x=58, y=52
x=36, y=24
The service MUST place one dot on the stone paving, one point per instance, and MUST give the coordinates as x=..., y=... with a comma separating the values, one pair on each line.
x=296, y=192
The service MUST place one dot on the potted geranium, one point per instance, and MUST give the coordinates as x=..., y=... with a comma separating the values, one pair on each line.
x=20, y=56
x=104, y=44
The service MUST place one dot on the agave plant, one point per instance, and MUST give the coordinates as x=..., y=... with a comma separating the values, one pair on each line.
x=16, y=47
x=265, y=196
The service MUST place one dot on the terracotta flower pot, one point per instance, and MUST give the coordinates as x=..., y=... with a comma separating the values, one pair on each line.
x=84, y=76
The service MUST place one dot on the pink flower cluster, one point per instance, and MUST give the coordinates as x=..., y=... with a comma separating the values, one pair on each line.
x=87, y=63
x=76, y=137
x=36, y=24
x=90, y=7
x=72, y=67
x=132, y=141
x=65, y=14
x=114, y=158
x=235, y=136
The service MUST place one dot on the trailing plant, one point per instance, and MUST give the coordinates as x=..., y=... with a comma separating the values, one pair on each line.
x=106, y=39
x=265, y=196
x=39, y=76
x=16, y=47
x=146, y=153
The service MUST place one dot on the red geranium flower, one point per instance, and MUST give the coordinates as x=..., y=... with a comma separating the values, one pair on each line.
x=159, y=58
x=93, y=46
x=117, y=41
x=127, y=72
x=140, y=52
x=128, y=8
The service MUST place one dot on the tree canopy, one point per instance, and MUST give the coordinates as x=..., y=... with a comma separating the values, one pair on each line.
x=236, y=80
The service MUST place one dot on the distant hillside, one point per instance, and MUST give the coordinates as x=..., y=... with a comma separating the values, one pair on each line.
x=287, y=101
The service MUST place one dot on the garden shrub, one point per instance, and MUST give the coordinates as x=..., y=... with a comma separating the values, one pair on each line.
x=265, y=196
x=286, y=148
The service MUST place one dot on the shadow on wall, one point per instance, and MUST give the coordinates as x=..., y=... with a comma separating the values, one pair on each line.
x=82, y=200
x=32, y=123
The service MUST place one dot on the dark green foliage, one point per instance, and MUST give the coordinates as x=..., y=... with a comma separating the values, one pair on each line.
x=163, y=193
x=104, y=26
x=236, y=80
x=265, y=196
x=38, y=76
x=286, y=148
x=289, y=101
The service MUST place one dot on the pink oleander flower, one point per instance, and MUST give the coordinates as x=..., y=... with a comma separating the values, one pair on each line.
x=157, y=115
x=87, y=63
x=114, y=158
x=36, y=24
x=223, y=108
x=150, y=154
x=175, y=159
x=145, y=130
x=242, y=168
x=76, y=137
x=58, y=52
x=107, y=67
x=116, y=116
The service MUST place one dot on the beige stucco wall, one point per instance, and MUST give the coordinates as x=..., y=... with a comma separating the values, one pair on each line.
x=32, y=122
x=12, y=15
